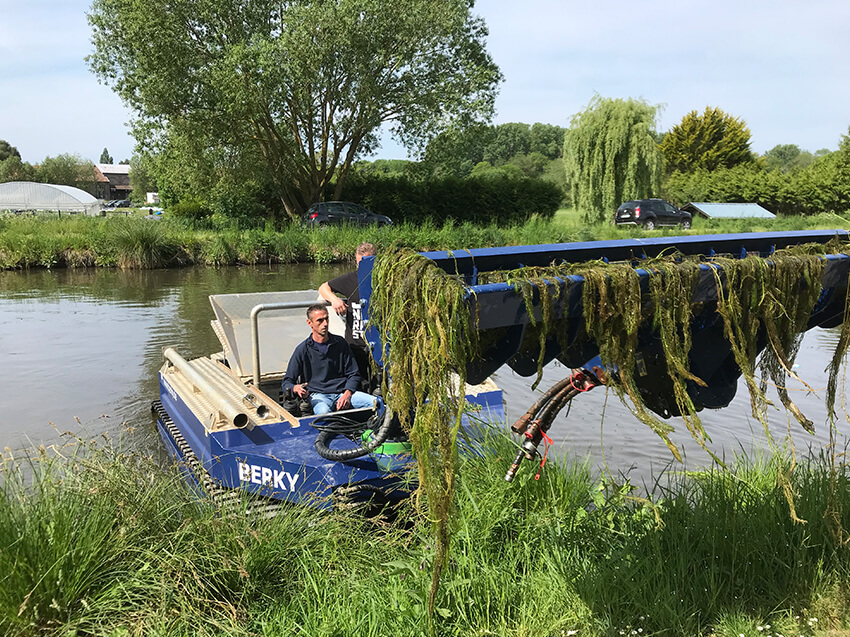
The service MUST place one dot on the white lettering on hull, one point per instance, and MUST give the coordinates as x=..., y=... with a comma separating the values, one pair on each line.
x=274, y=478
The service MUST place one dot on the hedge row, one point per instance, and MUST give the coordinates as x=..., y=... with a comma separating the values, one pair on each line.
x=476, y=200
x=822, y=187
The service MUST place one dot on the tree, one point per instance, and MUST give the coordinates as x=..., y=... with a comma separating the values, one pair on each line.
x=509, y=140
x=708, y=141
x=456, y=151
x=303, y=85
x=141, y=178
x=787, y=157
x=548, y=140
x=531, y=165
x=13, y=169
x=384, y=167
x=105, y=157
x=610, y=155
x=7, y=150
x=68, y=170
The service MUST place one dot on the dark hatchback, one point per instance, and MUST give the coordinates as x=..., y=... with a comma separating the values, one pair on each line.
x=337, y=213
x=651, y=213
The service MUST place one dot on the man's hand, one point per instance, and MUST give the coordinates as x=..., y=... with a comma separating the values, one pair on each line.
x=300, y=390
x=338, y=305
x=344, y=400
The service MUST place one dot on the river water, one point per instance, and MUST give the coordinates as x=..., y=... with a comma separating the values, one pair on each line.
x=81, y=348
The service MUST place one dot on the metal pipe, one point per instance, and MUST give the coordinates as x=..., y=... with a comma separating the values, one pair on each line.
x=262, y=410
x=255, y=327
x=222, y=382
x=230, y=411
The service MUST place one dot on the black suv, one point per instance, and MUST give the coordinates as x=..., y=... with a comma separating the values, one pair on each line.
x=340, y=212
x=651, y=213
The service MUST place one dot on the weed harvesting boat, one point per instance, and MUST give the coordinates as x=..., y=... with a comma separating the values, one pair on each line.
x=223, y=416
x=527, y=305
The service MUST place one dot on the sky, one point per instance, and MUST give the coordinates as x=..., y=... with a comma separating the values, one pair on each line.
x=780, y=65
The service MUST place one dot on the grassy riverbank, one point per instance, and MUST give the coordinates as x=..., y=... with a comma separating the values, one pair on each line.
x=95, y=542
x=133, y=242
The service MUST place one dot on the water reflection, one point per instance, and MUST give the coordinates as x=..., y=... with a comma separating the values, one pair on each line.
x=601, y=427
x=81, y=348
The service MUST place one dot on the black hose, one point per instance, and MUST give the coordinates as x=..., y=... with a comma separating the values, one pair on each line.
x=522, y=423
x=329, y=432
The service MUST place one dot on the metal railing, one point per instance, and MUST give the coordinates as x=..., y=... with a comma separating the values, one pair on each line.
x=255, y=327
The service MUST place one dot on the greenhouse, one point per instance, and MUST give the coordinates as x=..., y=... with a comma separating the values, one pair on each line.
x=28, y=195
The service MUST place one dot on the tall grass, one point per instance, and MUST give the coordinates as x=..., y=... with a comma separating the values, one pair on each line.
x=134, y=242
x=95, y=541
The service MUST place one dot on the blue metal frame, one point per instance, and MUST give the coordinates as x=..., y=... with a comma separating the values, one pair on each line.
x=501, y=306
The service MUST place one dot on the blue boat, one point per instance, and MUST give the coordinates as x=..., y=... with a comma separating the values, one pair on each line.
x=222, y=416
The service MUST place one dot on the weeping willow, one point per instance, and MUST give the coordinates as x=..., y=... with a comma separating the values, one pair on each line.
x=610, y=155
x=423, y=313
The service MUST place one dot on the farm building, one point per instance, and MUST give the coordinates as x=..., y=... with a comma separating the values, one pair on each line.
x=29, y=195
x=727, y=210
x=113, y=181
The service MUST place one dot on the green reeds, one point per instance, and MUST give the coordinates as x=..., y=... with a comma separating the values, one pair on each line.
x=133, y=242
x=140, y=243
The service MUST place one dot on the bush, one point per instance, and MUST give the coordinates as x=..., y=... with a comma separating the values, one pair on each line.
x=821, y=187
x=488, y=198
x=190, y=209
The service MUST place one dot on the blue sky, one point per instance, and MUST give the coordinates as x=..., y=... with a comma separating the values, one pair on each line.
x=781, y=65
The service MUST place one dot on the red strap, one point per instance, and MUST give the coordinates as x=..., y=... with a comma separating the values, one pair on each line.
x=546, y=442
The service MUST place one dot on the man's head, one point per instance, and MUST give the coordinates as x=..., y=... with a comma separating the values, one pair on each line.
x=365, y=249
x=317, y=319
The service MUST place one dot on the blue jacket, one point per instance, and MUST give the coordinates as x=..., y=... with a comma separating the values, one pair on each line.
x=330, y=373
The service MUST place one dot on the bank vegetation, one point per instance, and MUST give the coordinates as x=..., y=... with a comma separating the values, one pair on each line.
x=96, y=541
x=48, y=241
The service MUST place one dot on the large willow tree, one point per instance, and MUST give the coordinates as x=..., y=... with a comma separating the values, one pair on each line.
x=610, y=155
x=300, y=86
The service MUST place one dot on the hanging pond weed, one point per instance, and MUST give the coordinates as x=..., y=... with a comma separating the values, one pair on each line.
x=422, y=310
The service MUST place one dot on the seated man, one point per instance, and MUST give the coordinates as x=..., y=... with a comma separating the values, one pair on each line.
x=327, y=365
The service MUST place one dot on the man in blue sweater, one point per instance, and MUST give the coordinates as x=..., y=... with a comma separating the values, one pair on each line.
x=325, y=362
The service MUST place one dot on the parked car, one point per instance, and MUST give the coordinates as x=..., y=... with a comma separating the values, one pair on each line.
x=117, y=203
x=651, y=213
x=328, y=213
